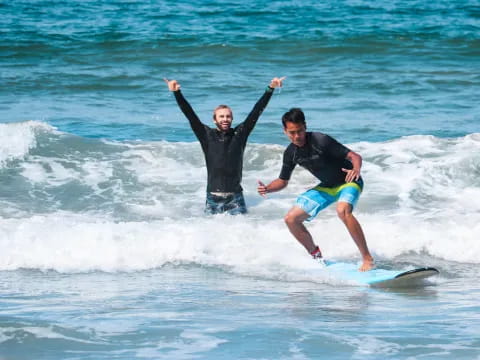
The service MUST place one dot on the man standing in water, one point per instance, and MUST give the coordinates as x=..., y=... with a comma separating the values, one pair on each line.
x=223, y=148
x=337, y=168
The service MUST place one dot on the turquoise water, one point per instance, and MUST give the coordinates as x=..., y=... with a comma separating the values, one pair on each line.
x=104, y=249
x=182, y=312
x=376, y=69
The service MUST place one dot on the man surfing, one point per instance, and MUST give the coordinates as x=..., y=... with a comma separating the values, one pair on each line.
x=337, y=168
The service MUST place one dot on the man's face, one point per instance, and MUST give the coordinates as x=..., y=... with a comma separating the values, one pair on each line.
x=223, y=119
x=296, y=133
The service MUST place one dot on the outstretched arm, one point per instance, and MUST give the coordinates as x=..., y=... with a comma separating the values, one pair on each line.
x=195, y=123
x=261, y=104
x=275, y=185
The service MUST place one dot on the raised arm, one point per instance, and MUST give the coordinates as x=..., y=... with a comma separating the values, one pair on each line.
x=261, y=104
x=197, y=126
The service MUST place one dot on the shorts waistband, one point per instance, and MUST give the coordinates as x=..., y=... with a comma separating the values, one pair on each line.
x=222, y=194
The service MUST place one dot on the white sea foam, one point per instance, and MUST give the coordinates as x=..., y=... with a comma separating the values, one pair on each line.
x=189, y=344
x=17, y=139
x=115, y=206
x=39, y=332
x=247, y=245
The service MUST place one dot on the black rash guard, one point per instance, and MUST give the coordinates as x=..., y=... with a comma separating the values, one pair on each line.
x=223, y=150
x=322, y=155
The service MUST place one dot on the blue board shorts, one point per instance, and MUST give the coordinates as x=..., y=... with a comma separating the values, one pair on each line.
x=231, y=203
x=315, y=200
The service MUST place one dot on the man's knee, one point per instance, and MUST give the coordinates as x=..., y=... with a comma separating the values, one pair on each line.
x=295, y=216
x=344, y=210
x=292, y=219
x=289, y=219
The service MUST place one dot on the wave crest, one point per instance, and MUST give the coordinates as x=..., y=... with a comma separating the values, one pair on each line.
x=17, y=139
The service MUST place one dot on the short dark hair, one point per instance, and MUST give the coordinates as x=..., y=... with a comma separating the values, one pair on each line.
x=221, y=107
x=294, y=115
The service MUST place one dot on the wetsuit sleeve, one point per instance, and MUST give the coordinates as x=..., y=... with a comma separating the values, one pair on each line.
x=257, y=110
x=288, y=164
x=197, y=126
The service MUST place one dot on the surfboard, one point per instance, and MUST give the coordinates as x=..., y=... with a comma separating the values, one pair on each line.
x=380, y=277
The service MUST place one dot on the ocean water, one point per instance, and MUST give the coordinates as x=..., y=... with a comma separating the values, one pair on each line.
x=105, y=252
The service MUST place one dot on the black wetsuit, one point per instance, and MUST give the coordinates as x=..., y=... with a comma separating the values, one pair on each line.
x=322, y=155
x=224, y=150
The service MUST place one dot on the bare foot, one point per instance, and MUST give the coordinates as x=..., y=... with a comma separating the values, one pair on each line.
x=368, y=264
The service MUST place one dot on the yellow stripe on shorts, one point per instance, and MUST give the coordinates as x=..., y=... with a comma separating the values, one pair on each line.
x=335, y=190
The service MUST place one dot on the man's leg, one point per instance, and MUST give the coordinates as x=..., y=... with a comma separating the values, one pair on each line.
x=344, y=211
x=213, y=205
x=235, y=204
x=294, y=220
x=307, y=206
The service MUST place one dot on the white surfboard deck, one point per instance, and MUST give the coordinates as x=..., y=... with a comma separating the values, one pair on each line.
x=379, y=277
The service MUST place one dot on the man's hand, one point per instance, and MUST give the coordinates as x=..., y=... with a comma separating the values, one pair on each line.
x=277, y=82
x=352, y=174
x=262, y=189
x=173, y=85
x=356, y=160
